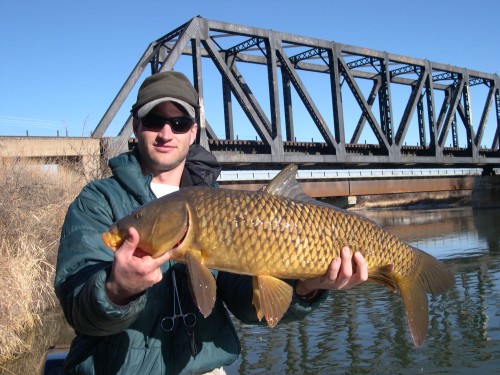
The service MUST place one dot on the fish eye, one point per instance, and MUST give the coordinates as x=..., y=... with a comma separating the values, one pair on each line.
x=139, y=214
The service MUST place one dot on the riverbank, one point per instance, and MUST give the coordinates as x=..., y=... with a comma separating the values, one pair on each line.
x=406, y=200
x=33, y=203
x=434, y=199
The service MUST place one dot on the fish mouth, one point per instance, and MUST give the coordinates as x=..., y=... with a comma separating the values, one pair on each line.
x=112, y=239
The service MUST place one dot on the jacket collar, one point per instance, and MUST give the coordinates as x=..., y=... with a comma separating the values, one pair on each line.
x=127, y=171
x=201, y=168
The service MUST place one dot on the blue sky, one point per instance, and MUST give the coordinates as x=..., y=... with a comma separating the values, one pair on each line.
x=63, y=61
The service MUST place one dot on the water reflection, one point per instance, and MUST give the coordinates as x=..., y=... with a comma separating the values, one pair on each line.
x=364, y=331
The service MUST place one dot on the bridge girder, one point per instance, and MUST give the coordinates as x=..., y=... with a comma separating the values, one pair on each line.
x=287, y=58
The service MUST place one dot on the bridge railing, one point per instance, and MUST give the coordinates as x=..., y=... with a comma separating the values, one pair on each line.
x=342, y=174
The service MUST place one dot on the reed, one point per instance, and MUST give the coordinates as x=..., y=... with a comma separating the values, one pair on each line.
x=33, y=202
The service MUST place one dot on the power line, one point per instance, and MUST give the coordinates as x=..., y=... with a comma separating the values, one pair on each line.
x=10, y=121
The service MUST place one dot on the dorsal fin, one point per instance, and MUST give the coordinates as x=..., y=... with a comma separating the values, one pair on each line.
x=286, y=185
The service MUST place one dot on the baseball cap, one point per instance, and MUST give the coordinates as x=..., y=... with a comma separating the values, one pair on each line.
x=169, y=86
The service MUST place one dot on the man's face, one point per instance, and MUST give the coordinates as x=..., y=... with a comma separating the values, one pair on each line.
x=163, y=150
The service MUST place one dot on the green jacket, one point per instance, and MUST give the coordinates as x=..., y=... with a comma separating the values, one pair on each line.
x=129, y=339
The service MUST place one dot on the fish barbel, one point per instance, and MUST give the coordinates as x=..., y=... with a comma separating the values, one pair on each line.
x=277, y=233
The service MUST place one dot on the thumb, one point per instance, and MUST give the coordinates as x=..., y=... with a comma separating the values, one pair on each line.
x=130, y=243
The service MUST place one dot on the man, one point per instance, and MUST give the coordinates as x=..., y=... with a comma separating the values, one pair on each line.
x=133, y=314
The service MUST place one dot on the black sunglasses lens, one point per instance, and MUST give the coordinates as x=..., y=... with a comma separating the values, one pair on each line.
x=153, y=122
x=156, y=123
x=180, y=124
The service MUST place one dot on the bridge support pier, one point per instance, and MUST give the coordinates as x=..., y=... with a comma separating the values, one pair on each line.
x=342, y=202
x=486, y=192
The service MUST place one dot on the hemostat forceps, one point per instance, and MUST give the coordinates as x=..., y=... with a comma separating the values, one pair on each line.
x=189, y=319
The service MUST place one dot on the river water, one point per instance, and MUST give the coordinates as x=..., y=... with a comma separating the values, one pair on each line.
x=364, y=330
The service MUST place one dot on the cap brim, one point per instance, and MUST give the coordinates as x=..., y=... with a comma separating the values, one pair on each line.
x=146, y=108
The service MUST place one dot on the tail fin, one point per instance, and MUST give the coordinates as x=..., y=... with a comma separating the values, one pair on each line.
x=430, y=276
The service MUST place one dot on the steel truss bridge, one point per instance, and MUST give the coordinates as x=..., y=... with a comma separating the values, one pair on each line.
x=436, y=109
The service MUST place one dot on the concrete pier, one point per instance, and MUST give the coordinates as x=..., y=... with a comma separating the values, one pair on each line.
x=486, y=192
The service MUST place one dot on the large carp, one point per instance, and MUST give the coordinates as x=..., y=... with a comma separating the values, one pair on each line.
x=277, y=233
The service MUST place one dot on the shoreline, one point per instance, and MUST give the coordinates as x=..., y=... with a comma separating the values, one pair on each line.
x=413, y=200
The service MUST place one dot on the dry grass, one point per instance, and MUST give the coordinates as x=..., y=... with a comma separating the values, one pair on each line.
x=33, y=202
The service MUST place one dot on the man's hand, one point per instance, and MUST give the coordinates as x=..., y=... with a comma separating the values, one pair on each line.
x=344, y=272
x=133, y=271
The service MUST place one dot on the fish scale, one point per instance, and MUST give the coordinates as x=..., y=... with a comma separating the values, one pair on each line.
x=248, y=225
x=277, y=233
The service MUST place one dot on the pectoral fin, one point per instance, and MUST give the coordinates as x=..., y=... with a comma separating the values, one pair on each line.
x=271, y=298
x=202, y=284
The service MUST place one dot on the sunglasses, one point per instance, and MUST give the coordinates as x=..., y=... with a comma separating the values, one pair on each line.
x=177, y=124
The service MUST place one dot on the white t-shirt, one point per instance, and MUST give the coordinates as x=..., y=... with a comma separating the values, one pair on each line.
x=161, y=189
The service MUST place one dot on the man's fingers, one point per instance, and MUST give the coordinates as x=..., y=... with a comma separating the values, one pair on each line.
x=361, y=266
x=333, y=271
x=133, y=238
x=163, y=258
x=346, y=268
x=344, y=272
x=130, y=244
